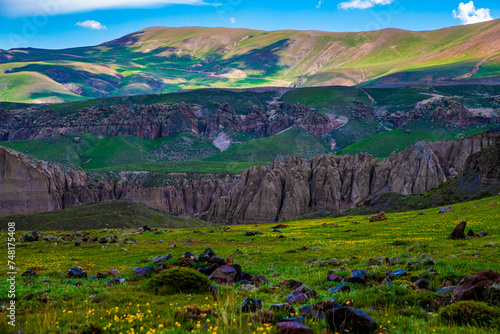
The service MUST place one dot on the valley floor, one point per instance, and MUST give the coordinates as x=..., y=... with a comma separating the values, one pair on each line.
x=56, y=305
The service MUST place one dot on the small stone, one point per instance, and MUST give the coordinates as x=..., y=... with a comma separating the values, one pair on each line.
x=340, y=289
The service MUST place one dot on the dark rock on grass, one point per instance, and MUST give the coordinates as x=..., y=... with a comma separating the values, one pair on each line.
x=116, y=281
x=472, y=287
x=306, y=311
x=208, y=270
x=446, y=291
x=244, y=282
x=333, y=278
x=224, y=275
x=422, y=283
x=378, y=217
x=203, y=257
x=357, y=277
x=425, y=260
x=249, y=234
x=77, y=272
x=29, y=273
x=396, y=273
x=301, y=294
x=142, y=271
x=333, y=262
x=340, y=289
x=129, y=241
x=277, y=231
x=291, y=284
x=250, y=305
x=288, y=308
x=471, y=233
x=288, y=327
x=446, y=209
x=217, y=260
x=79, y=283
x=319, y=309
x=146, y=228
x=99, y=276
x=187, y=255
x=160, y=259
x=350, y=319
x=280, y=226
x=209, y=252
x=458, y=232
x=298, y=320
x=482, y=234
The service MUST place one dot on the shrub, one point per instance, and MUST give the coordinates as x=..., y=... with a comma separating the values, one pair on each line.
x=178, y=280
x=470, y=312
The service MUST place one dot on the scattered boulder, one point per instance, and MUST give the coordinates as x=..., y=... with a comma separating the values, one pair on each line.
x=349, y=319
x=141, y=271
x=77, y=272
x=301, y=294
x=422, y=283
x=250, y=305
x=378, y=217
x=333, y=262
x=249, y=234
x=446, y=209
x=129, y=241
x=290, y=327
x=357, y=277
x=160, y=259
x=333, y=278
x=224, y=275
x=289, y=308
x=399, y=272
x=472, y=287
x=458, y=232
x=425, y=260
x=471, y=233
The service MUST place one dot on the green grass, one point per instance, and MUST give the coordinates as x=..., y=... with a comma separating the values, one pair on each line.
x=400, y=310
x=382, y=145
x=278, y=147
x=231, y=167
x=116, y=214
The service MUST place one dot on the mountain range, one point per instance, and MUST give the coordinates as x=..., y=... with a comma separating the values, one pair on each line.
x=161, y=60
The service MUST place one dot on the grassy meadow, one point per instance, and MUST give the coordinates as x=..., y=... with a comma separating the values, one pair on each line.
x=58, y=306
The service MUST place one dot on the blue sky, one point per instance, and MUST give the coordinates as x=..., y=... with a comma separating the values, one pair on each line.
x=71, y=23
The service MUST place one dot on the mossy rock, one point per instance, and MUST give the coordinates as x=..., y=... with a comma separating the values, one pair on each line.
x=178, y=280
x=470, y=312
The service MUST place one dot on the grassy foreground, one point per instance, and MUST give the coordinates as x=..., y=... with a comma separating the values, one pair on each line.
x=57, y=306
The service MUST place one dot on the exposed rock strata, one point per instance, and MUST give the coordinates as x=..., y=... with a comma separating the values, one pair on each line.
x=279, y=191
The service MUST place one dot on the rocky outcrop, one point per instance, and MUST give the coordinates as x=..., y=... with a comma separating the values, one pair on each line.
x=276, y=192
x=445, y=110
x=159, y=120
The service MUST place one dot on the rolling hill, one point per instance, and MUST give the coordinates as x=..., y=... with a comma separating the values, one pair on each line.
x=160, y=59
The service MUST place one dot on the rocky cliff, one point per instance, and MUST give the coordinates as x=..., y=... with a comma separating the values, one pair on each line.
x=159, y=120
x=279, y=191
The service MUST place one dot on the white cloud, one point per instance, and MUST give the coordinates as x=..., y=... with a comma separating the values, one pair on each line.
x=232, y=20
x=363, y=4
x=18, y=8
x=91, y=24
x=468, y=14
x=318, y=6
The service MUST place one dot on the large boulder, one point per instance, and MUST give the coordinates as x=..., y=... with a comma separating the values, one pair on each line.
x=349, y=319
x=224, y=275
x=458, y=232
x=472, y=287
x=378, y=217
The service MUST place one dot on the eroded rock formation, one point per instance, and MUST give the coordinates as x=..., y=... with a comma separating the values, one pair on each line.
x=279, y=191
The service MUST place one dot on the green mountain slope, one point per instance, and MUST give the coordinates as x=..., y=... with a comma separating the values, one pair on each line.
x=161, y=59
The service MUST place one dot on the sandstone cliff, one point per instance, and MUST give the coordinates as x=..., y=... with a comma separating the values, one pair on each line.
x=279, y=191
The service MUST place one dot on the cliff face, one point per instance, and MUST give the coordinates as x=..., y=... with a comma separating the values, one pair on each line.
x=159, y=120
x=279, y=191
